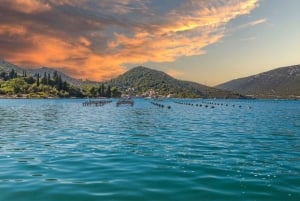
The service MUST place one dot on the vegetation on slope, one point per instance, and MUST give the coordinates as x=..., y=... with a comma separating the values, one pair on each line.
x=279, y=83
x=46, y=82
x=141, y=79
x=14, y=85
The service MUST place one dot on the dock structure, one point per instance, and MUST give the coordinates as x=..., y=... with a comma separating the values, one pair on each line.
x=96, y=103
x=125, y=102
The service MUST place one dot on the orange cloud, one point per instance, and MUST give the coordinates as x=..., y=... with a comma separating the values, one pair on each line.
x=6, y=29
x=182, y=35
x=97, y=38
x=78, y=59
x=84, y=41
x=27, y=6
x=52, y=51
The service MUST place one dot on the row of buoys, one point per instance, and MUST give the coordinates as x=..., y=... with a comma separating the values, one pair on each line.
x=226, y=104
x=209, y=104
x=221, y=104
x=160, y=105
x=194, y=104
x=96, y=103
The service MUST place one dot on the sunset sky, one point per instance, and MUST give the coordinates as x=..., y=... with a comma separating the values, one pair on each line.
x=207, y=41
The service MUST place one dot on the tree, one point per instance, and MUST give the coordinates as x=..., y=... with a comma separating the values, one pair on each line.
x=102, y=91
x=24, y=73
x=93, y=92
x=49, y=79
x=108, y=92
x=12, y=74
x=59, y=83
x=4, y=76
x=38, y=80
x=44, y=79
x=30, y=80
x=14, y=86
x=115, y=93
x=74, y=91
x=55, y=78
x=65, y=86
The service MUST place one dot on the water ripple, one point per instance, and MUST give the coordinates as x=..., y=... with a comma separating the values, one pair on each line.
x=59, y=150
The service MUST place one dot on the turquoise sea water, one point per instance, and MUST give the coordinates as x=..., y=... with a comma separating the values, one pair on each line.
x=59, y=150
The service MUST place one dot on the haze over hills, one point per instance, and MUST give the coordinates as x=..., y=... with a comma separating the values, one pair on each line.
x=141, y=79
x=279, y=83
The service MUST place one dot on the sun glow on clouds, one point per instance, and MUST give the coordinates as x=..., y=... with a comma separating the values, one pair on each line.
x=94, y=39
x=26, y=6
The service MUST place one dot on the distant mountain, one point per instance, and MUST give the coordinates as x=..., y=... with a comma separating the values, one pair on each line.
x=7, y=67
x=142, y=79
x=279, y=83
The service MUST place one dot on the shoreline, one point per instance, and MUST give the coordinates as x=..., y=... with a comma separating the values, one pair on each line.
x=16, y=97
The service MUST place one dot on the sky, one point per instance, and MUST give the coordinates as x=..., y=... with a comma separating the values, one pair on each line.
x=206, y=41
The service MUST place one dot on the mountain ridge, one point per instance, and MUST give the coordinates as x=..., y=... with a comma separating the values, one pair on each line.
x=143, y=79
x=283, y=82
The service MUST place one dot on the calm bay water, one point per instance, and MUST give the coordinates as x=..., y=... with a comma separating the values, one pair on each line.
x=59, y=150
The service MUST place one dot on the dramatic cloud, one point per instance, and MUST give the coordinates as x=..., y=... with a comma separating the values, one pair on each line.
x=94, y=39
x=26, y=6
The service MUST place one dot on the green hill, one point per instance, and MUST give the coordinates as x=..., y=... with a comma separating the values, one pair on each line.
x=279, y=83
x=140, y=79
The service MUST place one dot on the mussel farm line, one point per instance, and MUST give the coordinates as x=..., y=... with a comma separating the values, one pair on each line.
x=96, y=103
x=160, y=105
x=209, y=104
